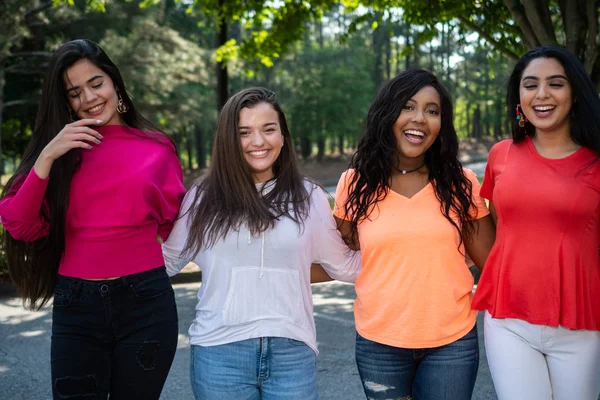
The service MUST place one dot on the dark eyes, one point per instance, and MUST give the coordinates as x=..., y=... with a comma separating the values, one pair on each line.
x=245, y=133
x=431, y=111
x=74, y=95
x=554, y=85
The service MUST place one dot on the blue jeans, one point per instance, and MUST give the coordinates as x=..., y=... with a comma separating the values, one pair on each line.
x=268, y=368
x=440, y=373
x=113, y=338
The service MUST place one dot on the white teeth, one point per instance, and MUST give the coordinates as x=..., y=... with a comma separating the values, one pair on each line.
x=97, y=108
x=544, y=108
x=258, y=153
x=414, y=132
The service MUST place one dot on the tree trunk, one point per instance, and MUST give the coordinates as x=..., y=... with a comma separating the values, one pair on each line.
x=341, y=144
x=321, y=147
x=1, y=119
x=305, y=147
x=377, y=38
x=222, y=76
x=200, y=147
x=388, y=55
x=477, y=123
x=190, y=151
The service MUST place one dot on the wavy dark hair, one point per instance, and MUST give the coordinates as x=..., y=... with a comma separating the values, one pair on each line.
x=585, y=117
x=376, y=156
x=33, y=266
x=227, y=196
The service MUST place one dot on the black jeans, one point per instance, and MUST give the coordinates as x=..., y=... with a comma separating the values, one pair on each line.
x=113, y=337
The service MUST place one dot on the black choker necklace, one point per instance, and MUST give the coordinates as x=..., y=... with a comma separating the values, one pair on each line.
x=404, y=171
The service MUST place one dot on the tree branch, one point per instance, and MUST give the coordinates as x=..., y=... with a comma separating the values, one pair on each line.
x=6, y=57
x=17, y=102
x=518, y=14
x=488, y=38
x=591, y=50
x=538, y=15
x=36, y=10
x=574, y=27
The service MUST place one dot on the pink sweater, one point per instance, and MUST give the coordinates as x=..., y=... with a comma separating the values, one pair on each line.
x=126, y=192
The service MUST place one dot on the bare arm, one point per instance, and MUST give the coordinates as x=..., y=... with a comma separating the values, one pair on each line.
x=493, y=213
x=345, y=227
x=318, y=274
x=479, y=245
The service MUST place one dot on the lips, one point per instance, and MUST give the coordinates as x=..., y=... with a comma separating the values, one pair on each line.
x=414, y=136
x=96, y=109
x=543, y=110
x=258, y=153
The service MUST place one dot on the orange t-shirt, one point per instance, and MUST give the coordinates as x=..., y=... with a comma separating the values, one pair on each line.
x=415, y=288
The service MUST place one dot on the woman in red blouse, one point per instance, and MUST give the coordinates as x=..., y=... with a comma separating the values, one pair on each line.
x=541, y=283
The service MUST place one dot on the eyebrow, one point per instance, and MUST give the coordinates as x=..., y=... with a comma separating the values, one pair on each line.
x=93, y=78
x=431, y=103
x=535, y=78
x=265, y=125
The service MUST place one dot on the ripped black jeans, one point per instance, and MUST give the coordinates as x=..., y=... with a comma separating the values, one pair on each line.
x=113, y=337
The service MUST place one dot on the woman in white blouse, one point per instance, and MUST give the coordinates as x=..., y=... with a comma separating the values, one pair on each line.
x=254, y=225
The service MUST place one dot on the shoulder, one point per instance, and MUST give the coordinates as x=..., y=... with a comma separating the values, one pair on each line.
x=501, y=146
x=314, y=190
x=161, y=139
x=347, y=177
x=470, y=175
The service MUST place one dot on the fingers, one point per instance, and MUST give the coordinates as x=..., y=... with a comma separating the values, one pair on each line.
x=85, y=137
x=82, y=145
x=81, y=129
x=85, y=121
x=89, y=131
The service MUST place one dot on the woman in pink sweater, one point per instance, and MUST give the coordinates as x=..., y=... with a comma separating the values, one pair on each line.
x=96, y=187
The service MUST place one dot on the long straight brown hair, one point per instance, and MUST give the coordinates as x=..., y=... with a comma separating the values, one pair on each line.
x=33, y=266
x=227, y=196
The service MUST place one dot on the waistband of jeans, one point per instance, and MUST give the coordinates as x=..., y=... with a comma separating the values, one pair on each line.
x=122, y=281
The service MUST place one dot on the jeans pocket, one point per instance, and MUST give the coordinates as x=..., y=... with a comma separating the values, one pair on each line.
x=62, y=298
x=152, y=287
x=295, y=342
x=63, y=294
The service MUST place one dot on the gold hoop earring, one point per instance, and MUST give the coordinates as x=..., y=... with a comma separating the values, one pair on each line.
x=122, y=108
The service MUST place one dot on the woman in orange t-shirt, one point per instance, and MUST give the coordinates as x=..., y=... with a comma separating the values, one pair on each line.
x=412, y=209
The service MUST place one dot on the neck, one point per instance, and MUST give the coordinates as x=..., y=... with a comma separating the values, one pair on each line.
x=556, y=139
x=410, y=164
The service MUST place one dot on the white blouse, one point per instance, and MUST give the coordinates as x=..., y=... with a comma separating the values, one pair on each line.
x=260, y=286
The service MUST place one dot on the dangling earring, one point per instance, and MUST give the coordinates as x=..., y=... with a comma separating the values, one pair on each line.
x=121, y=106
x=520, y=116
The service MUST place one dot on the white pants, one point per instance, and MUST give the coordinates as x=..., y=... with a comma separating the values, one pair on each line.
x=537, y=362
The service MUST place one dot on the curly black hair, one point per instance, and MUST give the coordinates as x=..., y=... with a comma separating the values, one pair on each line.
x=376, y=157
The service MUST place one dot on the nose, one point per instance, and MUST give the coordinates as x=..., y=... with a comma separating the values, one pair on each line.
x=257, y=139
x=419, y=116
x=542, y=92
x=88, y=95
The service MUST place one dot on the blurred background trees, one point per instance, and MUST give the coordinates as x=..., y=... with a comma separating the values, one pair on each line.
x=181, y=59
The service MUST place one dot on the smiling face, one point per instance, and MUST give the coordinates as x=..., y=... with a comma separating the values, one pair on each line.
x=261, y=139
x=91, y=93
x=546, y=96
x=418, y=125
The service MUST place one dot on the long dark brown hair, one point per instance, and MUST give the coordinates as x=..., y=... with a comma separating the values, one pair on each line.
x=585, y=111
x=226, y=197
x=33, y=266
x=376, y=156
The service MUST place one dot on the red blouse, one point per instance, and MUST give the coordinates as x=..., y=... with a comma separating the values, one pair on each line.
x=544, y=267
